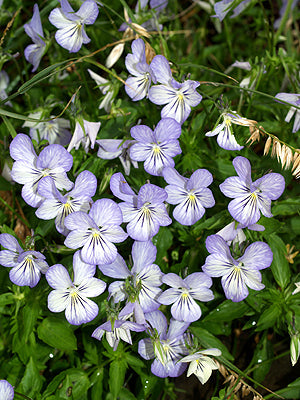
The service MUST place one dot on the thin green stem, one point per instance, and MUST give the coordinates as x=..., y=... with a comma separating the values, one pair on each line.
x=283, y=21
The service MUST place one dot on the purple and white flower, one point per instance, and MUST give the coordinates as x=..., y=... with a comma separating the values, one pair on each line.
x=117, y=330
x=6, y=390
x=4, y=81
x=96, y=232
x=145, y=277
x=182, y=295
x=226, y=138
x=145, y=212
x=237, y=275
x=56, y=131
x=201, y=365
x=165, y=347
x=86, y=136
x=251, y=197
x=233, y=233
x=27, y=266
x=28, y=168
x=59, y=206
x=113, y=148
x=34, y=52
x=106, y=87
x=294, y=99
x=71, y=34
x=137, y=86
x=224, y=6
x=156, y=148
x=178, y=97
x=191, y=195
x=73, y=296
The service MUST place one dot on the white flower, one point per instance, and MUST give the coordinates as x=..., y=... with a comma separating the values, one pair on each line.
x=106, y=88
x=201, y=365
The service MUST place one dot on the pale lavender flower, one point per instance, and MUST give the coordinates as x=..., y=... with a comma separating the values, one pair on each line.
x=106, y=87
x=56, y=131
x=27, y=266
x=165, y=347
x=251, y=197
x=117, y=330
x=86, y=136
x=6, y=390
x=137, y=86
x=237, y=275
x=113, y=148
x=145, y=212
x=226, y=138
x=224, y=6
x=201, y=365
x=178, y=97
x=71, y=34
x=156, y=148
x=29, y=169
x=183, y=292
x=191, y=195
x=282, y=11
x=145, y=277
x=297, y=290
x=294, y=99
x=59, y=206
x=233, y=233
x=96, y=232
x=4, y=81
x=34, y=52
x=73, y=296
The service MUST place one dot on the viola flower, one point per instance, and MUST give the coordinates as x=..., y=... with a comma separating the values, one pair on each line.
x=113, y=148
x=106, y=87
x=27, y=266
x=6, y=390
x=165, y=347
x=4, y=81
x=117, y=330
x=138, y=85
x=95, y=232
x=156, y=148
x=294, y=99
x=182, y=295
x=191, y=195
x=233, y=233
x=71, y=34
x=56, y=131
x=28, y=168
x=178, y=97
x=86, y=137
x=224, y=6
x=226, y=139
x=251, y=197
x=145, y=277
x=73, y=297
x=201, y=365
x=59, y=206
x=34, y=52
x=237, y=275
x=145, y=212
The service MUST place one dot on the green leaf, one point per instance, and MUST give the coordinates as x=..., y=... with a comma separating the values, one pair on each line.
x=208, y=340
x=280, y=266
x=57, y=333
x=6, y=298
x=97, y=384
x=4, y=184
x=32, y=380
x=163, y=241
x=268, y=317
x=117, y=370
x=292, y=391
x=262, y=353
x=286, y=207
x=125, y=394
x=227, y=311
x=9, y=126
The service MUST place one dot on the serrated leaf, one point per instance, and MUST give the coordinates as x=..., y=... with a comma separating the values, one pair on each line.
x=57, y=333
x=269, y=317
x=263, y=352
x=32, y=381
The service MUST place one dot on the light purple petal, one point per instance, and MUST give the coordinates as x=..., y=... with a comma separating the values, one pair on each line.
x=81, y=310
x=200, y=178
x=120, y=187
x=21, y=148
x=272, y=185
x=167, y=129
x=243, y=168
x=6, y=390
x=58, y=277
x=257, y=256
x=161, y=69
x=145, y=349
x=9, y=242
x=118, y=269
x=98, y=250
x=81, y=269
x=143, y=254
x=106, y=212
x=172, y=177
x=88, y=12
